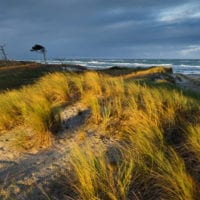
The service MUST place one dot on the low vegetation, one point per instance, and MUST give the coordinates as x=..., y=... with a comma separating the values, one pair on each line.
x=149, y=145
x=16, y=74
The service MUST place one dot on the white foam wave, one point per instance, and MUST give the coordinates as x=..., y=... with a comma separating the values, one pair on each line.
x=194, y=66
x=178, y=66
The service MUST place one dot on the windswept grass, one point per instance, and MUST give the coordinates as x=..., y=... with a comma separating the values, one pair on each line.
x=151, y=126
x=34, y=107
x=152, y=144
x=97, y=179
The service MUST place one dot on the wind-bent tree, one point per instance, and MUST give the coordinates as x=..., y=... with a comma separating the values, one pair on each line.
x=41, y=49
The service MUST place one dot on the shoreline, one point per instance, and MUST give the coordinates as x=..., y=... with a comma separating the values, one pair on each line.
x=183, y=66
x=185, y=81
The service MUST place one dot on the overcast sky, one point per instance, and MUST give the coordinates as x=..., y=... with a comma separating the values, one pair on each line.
x=101, y=28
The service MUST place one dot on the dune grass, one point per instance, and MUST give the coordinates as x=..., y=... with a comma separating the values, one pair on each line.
x=155, y=129
x=97, y=178
x=34, y=107
x=151, y=126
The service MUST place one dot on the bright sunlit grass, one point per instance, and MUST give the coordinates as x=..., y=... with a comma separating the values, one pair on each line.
x=155, y=129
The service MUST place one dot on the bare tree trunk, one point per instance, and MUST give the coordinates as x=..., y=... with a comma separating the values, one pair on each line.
x=3, y=52
x=44, y=56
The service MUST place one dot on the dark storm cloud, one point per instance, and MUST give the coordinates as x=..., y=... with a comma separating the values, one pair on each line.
x=100, y=28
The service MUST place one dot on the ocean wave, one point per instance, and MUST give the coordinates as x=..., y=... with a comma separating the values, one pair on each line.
x=178, y=66
x=193, y=66
x=96, y=62
x=121, y=64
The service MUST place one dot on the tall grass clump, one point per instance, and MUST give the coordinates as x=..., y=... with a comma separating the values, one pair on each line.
x=109, y=105
x=114, y=86
x=192, y=137
x=92, y=83
x=96, y=178
x=164, y=177
x=35, y=106
x=161, y=172
x=93, y=103
x=78, y=82
x=39, y=114
x=11, y=109
x=189, y=150
x=55, y=87
x=137, y=174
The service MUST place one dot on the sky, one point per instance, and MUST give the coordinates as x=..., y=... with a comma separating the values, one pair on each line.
x=101, y=28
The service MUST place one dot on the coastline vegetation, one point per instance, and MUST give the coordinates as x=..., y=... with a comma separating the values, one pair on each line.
x=150, y=147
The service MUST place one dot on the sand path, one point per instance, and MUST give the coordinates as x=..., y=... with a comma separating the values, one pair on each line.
x=22, y=173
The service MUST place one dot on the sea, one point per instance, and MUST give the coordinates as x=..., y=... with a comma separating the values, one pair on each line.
x=184, y=66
